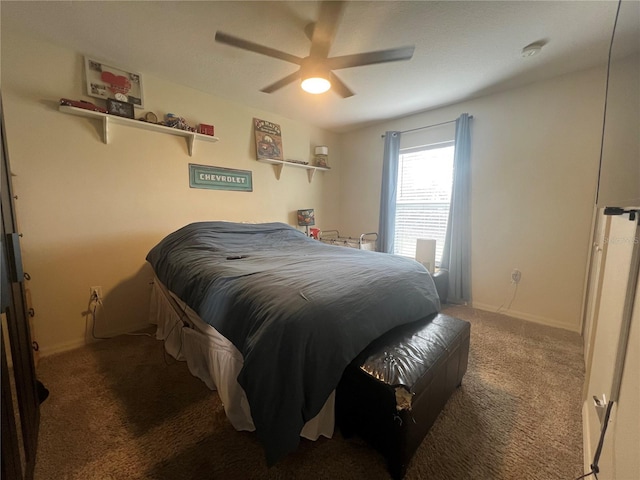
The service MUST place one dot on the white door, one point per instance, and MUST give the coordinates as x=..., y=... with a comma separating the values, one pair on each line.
x=622, y=439
x=594, y=285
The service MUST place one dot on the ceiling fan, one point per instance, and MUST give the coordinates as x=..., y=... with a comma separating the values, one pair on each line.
x=316, y=70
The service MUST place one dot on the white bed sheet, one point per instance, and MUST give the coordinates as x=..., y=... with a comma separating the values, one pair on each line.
x=216, y=361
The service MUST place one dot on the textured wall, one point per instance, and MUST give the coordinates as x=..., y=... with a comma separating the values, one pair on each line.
x=90, y=212
x=534, y=157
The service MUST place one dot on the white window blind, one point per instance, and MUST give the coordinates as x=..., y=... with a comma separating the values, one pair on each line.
x=425, y=180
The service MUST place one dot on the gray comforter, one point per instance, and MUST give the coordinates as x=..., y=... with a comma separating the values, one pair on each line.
x=298, y=310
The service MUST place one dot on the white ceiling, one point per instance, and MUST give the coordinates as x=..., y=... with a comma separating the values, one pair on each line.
x=463, y=49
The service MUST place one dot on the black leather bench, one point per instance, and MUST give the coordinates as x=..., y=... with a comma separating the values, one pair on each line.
x=392, y=393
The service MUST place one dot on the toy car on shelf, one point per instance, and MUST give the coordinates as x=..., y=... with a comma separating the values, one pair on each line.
x=82, y=104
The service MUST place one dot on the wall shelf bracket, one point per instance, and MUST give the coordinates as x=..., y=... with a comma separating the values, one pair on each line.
x=280, y=164
x=105, y=130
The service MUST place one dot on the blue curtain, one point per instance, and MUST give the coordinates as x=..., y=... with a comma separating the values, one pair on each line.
x=386, y=230
x=456, y=255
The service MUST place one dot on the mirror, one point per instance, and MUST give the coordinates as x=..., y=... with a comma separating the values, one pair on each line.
x=619, y=180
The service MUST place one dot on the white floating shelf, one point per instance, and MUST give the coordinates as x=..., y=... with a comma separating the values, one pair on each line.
x=280, y=164
x=107, y=119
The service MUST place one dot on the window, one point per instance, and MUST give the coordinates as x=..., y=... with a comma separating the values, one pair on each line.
x=425, y=180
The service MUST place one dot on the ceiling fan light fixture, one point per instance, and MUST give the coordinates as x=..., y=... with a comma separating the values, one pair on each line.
x=315, y=85
x=316, y=69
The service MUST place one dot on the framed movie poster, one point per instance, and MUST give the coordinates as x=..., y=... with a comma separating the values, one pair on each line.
x=106, y=81
x=268, y=140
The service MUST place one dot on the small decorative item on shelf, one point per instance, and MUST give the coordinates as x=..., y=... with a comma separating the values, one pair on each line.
x=306, y=218
x=82, y=104
x=173, y=121
x=205, y=129
x=121, y=109
x=149, y=117
x=299, y=162
x=322, y=152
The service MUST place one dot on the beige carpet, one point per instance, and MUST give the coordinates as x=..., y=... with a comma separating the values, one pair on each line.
x=120, y=409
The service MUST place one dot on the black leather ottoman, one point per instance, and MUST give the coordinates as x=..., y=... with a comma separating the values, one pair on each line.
x=393, y=392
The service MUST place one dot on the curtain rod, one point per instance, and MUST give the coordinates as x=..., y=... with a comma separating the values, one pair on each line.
x=427, y=126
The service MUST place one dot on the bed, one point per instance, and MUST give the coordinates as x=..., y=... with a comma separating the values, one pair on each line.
x=277, y=316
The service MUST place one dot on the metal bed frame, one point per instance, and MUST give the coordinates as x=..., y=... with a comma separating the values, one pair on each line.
x=333, y=237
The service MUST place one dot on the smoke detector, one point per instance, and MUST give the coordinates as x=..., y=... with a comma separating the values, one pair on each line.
x=532, y=49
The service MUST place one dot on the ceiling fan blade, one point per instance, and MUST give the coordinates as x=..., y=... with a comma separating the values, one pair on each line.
x=256, y=48
x=370, y=58
x=339, y=86
x=325, y=28
x=282, y=82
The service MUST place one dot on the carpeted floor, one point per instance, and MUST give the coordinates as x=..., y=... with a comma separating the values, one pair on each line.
x=121, y=409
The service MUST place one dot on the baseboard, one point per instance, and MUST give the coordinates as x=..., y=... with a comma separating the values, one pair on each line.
x=62, y=347
x=527, y=316
x=81, y=342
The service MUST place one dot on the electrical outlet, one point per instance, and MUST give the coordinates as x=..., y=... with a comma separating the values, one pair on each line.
x=95, y=293
x=516, y=275
x=601, y=407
